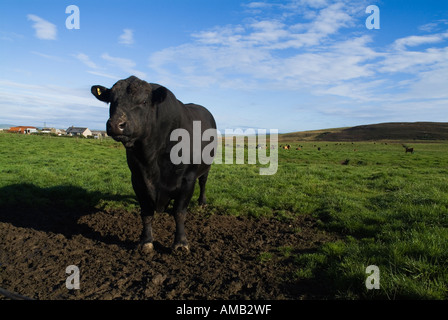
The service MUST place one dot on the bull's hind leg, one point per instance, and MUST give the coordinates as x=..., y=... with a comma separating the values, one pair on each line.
x=202, y=181
x=180, y=214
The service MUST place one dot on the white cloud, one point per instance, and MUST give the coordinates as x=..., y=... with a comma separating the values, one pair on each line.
x=434, y=25
x=331, y=19
x=275, y=34
x=102, y=74
x=257, y=5
x=317, y=57
x=44, y=30
x=310, y=3
x=432, y=84
x=49, y=56
x=95, y=68
x=413, y=62
x=44, y=95
x=10, y=36
x=122, y=63
x=413, y=41
x=86, y=60
x=267, y=31
x=59, y=106
x=126, y=65
x=127, y=37
x=253, y=57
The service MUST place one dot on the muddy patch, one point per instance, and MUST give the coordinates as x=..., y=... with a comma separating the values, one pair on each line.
x=230, y=257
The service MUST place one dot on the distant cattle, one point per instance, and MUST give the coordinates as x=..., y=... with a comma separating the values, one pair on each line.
x=407, y=149
x=142, y=117
x=287, y=147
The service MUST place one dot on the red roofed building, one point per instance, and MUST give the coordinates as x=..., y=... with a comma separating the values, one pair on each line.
x=23, y=129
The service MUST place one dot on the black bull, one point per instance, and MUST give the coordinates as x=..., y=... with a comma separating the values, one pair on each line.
x=143, y=116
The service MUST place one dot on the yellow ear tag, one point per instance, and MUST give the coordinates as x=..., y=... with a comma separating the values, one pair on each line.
x=98, y=91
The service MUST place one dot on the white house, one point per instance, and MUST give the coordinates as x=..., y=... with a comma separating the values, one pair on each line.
x=76, y=131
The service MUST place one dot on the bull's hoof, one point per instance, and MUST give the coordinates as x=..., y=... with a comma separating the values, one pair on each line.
x=147, y=248
x=181, y=248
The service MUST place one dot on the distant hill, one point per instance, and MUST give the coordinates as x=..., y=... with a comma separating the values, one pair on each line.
x=381, y=131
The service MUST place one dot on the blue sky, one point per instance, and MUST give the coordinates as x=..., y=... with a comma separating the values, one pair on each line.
x=287, y=65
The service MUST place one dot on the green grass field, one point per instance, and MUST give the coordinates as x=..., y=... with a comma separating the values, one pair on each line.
x=389, y=207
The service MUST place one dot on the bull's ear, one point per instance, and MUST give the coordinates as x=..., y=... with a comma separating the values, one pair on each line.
x=101, y=93
x=159, y=95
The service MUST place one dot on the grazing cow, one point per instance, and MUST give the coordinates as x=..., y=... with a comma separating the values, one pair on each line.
x=407, y=149
x=142, y=117
x=287, y=147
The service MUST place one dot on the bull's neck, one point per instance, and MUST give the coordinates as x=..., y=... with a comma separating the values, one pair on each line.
x=144, y=158
x=143, y=152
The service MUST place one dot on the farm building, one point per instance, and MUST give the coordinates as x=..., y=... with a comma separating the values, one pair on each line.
x=99, y=134
x=23, y=129
x=51, y=131
x=76, y=131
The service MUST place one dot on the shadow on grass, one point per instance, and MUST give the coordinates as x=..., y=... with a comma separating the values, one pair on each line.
x=55, y=209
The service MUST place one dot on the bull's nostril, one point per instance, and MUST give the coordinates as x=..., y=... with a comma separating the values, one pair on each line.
x=121, y=125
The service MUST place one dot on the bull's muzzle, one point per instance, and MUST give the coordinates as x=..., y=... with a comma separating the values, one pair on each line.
x=115, y=128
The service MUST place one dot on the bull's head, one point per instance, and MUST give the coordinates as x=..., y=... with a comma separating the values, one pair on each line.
x=132, y=104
